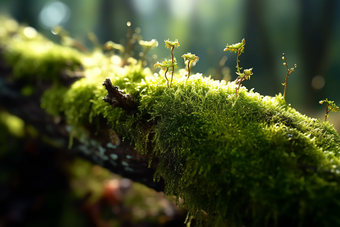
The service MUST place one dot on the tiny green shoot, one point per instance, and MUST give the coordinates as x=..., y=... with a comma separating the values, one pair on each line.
x=114, y=46
x=167, y=65
x=171, y=45
x=245, y=75
x=237, y=48
x=289, y=71
x=189, y=60
x=331, y=107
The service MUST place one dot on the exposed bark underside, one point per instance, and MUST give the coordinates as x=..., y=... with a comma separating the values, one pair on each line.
x=120, y=158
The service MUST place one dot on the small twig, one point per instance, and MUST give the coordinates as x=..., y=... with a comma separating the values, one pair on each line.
x=116, y=98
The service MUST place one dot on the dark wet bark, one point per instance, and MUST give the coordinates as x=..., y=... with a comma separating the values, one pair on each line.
x=120, y=157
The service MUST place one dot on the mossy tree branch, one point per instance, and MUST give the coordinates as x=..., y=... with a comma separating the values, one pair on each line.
x=55, y=129
x=245, y=159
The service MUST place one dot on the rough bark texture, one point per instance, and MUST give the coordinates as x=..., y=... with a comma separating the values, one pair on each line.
x=126, y=161
x=116, y=98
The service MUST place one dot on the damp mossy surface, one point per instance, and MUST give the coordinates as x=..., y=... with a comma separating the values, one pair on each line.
x=40, y=60
x=237, y=157
x=242, y=157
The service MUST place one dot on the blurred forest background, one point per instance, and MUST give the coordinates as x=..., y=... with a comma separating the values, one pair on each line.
x=307, y=31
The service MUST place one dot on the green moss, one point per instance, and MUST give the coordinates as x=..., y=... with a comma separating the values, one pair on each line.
x=52, y=99
x=15, y=125
x=27, y=90
x=82, y=103
x=239, y=157
x=244, y=157
x=40, y=60
x=32, y=56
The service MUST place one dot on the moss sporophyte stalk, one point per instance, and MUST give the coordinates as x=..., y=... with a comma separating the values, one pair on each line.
x=239, y=49
x=331, y=107
x=289, y=71
x=245, y=159
x=189, y=60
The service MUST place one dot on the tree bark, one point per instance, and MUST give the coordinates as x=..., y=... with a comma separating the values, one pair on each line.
x=120, y=158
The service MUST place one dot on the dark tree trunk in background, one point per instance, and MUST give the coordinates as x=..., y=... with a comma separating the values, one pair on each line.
x=25, y=11
x=257, y=32
x=110, y=25
x=195, y=30
x=106, y=26
x=127, y=161
x=316, y=27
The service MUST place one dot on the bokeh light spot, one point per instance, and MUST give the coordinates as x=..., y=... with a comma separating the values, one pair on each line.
x=30, y=32
x=226, y=74
x=3, y=32
x=11, y=25
x=318, y=82
x=54, y=14
x=145, y=7
x=182, y=9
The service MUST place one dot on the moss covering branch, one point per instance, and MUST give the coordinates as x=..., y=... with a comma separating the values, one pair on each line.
x=246, y=160
x=94, y=141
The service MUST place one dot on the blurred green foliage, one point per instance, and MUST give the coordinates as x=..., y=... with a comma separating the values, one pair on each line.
x=26, y=45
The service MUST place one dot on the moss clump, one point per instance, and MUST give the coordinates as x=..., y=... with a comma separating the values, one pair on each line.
x=245, y=159
x=242, y=157
x=52, y=99
x=38, y=60
x=32, y=56
x=11, y=125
